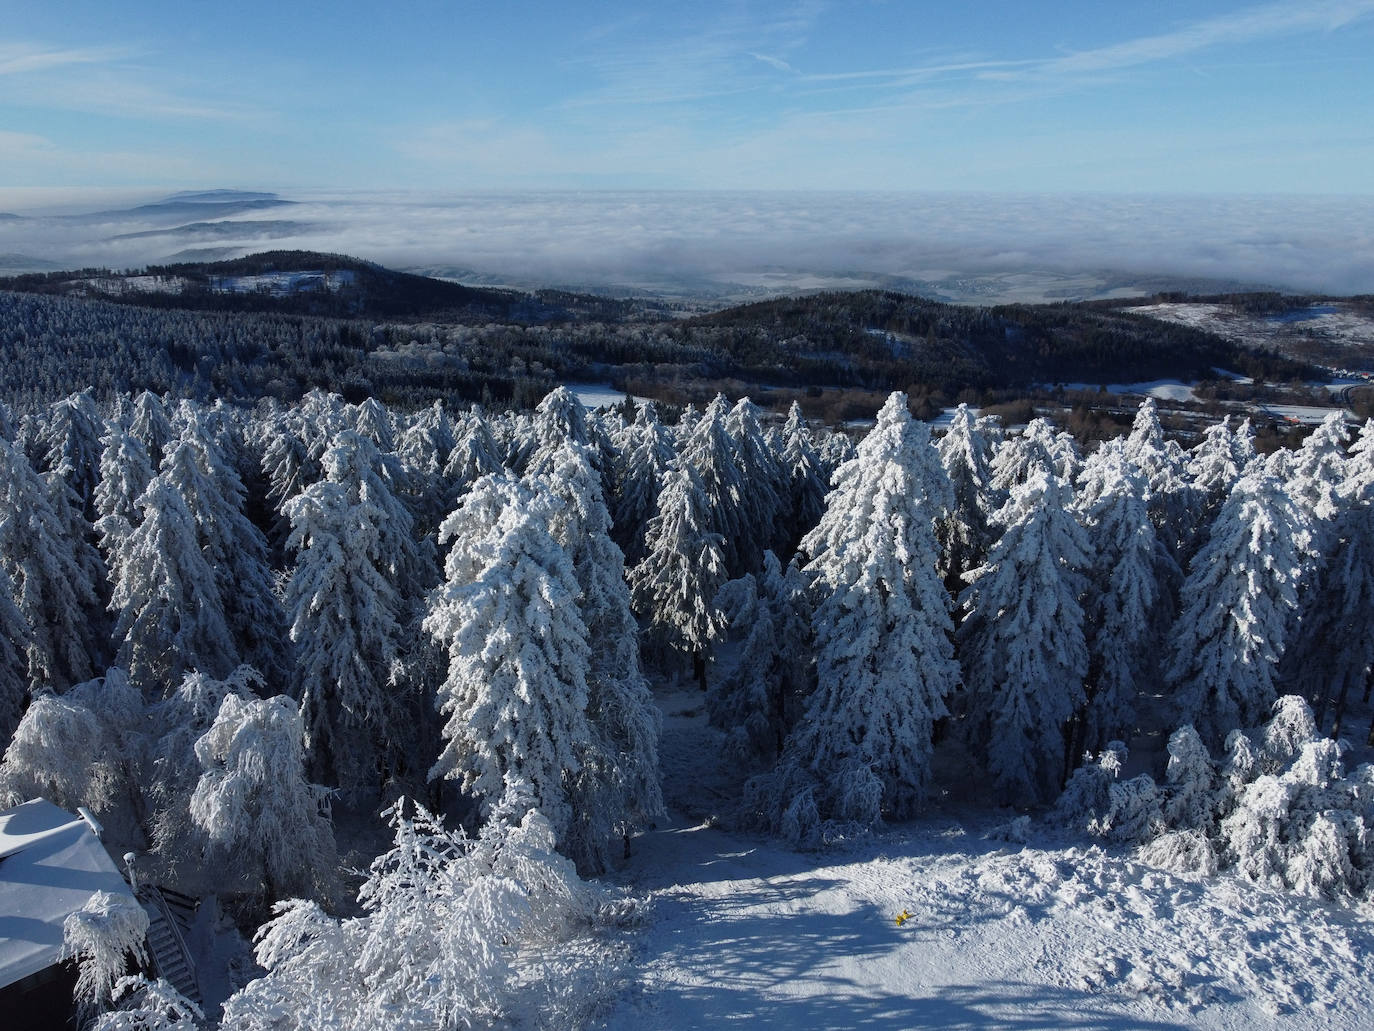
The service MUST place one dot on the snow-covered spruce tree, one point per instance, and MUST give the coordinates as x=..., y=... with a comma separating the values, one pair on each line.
x=125, y=473
x=558, y=419
x=14, y=674
x=353, y=546
x=881, y=626
x=674, y=587
x=69, y=445
x=52, y=591
x=756, y=700
x=261, y=817
x=1359, y=465
x=1037, y=449
x=236, y=549
x=1127, y=605
x=453, y=933
x=373, y=421
x=765, y=485
x=1022, y=641
x=1333, y=648
x=424, y=449
x=617, y=789
x=1162, y=462
x=169, y=613
x=647, y=454
x=1239, y=598
x=150, y=425
x=964, y=532
x=515, y=697
x=474, y=455
x=1216, y=463
x=810, y=478
x=709, y=451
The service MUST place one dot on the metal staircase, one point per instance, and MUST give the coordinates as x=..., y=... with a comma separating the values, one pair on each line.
x=170, y=915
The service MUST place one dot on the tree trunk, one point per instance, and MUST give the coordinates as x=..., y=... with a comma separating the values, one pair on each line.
x=699, y=669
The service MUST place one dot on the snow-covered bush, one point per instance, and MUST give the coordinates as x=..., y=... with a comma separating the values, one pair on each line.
x=1107, y=807
x=1283, y=811
x=449, y=936
x=144, y=1005
x=102, y=935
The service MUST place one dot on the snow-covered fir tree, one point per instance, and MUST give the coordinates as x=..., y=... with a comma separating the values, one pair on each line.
x=1022, y=641
x=755, y=700
x=617, y=788
x=674, y=587
x=125, y=472
x=1329, y=659
x=964, y=532
x=52, y=590
x=709, y=451
x=1126, y=602
x=169, y=612
x=69, y=442
x=1039, y=448
x=372, y=420
x=213, y=493
x=151, y=426
x=475, y=454
x=346, y=616
x=1239, y=599
x=646, y=455
x=881, y=626
x=809, y=477
x=765, y=485
x=515, y=696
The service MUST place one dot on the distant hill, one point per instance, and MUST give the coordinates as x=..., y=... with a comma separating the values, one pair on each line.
x=881, y=338
x=246, y=229
x=329, y=285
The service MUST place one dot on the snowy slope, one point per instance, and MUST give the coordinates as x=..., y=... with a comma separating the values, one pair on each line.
x=1047, y=934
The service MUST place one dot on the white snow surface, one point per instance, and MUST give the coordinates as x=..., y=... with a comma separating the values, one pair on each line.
x=1045, y=932
x=1163, y=389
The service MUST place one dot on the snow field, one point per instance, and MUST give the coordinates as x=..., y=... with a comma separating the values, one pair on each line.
x=1000, y=935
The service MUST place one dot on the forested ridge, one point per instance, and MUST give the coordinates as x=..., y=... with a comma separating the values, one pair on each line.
x=404, y=338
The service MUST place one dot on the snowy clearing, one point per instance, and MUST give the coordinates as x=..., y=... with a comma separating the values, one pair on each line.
x=1000, y=935
x=1162, y=389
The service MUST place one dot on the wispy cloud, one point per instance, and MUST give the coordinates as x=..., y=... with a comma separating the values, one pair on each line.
x=120, y=81
x=773, y=62
x=19, y=58
x=1237, y=27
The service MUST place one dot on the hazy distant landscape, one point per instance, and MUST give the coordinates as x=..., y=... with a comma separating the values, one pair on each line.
x=723, y=247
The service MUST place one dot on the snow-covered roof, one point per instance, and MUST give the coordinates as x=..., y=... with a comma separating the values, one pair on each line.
x=51, y=863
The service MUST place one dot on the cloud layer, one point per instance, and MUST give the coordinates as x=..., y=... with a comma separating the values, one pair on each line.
x=656, y=239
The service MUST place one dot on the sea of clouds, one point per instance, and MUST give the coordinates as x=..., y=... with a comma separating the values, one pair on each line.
x=965, y=244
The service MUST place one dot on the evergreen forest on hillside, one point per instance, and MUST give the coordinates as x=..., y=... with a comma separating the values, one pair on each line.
x=231, y=628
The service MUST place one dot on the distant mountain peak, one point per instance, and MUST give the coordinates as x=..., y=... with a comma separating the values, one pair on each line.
x=219, y=197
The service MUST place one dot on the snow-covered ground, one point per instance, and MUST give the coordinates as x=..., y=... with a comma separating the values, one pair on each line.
x=1335, y=329
x=596, y=395
x=1051, y=932
x=1163, y=389
x=279, y=284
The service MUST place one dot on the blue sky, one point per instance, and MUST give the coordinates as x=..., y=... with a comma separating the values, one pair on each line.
x=1060, y=96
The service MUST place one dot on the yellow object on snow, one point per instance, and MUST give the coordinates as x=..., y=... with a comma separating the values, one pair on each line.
x=903, y=917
